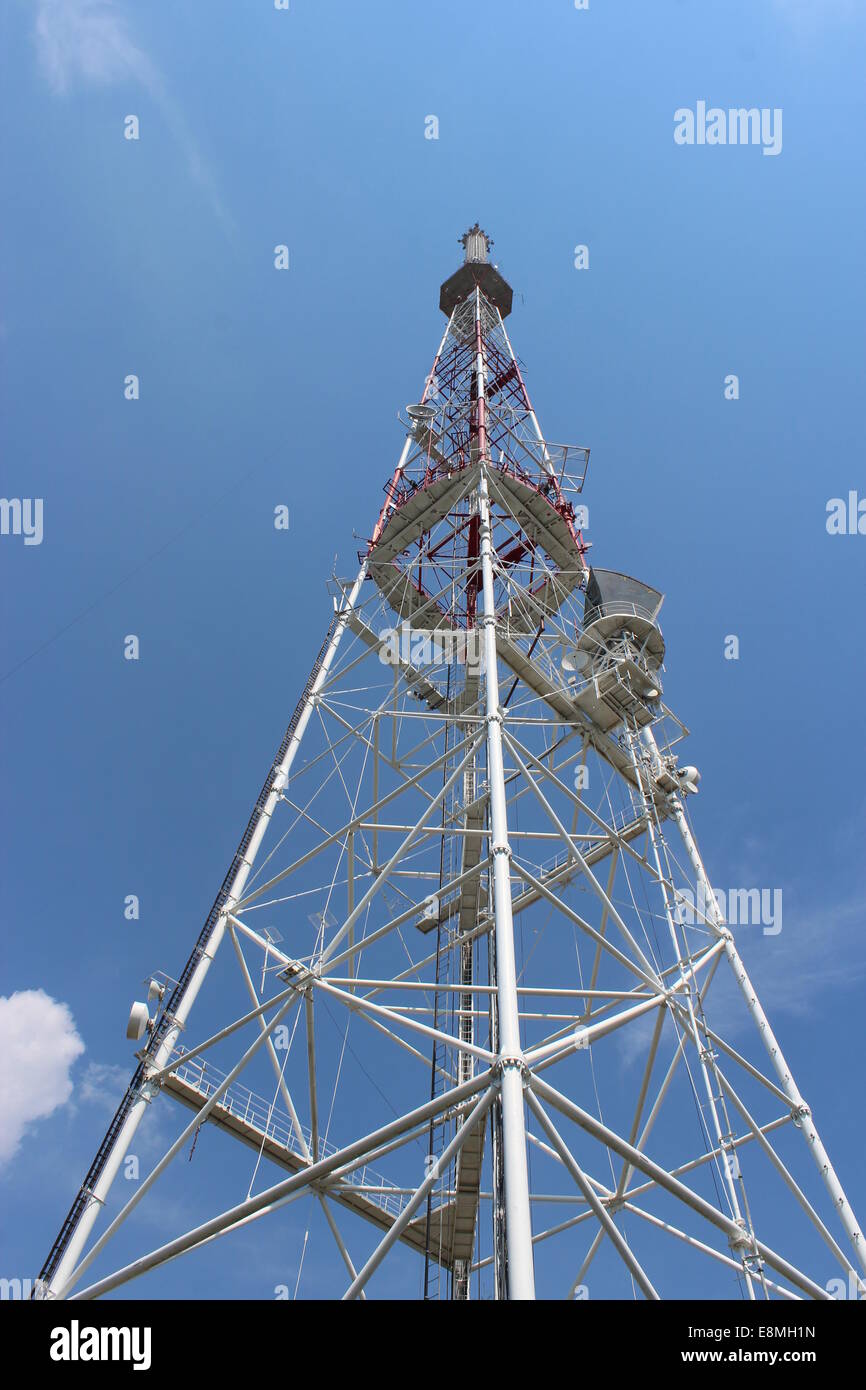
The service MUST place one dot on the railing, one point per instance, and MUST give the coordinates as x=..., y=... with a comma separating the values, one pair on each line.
x=247, y=1107
x=546, y=870
x=619, y=608
x=549, y=480
x=620, y=820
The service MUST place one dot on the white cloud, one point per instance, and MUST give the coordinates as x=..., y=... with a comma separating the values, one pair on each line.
x=103, y=1085
x=86, y=39
x=38, y=1045
x=819, y=951
x=89, y=42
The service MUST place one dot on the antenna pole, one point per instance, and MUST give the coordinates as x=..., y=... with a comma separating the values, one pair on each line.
x=511, y=1064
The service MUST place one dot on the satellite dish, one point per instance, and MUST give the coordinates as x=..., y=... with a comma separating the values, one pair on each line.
x=574, y=660
x=421, y=414
x=138, y=1022
x=688, y=778
x=155, y=990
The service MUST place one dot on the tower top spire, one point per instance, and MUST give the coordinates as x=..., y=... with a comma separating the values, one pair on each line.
x=476, y=270
x=476, y=245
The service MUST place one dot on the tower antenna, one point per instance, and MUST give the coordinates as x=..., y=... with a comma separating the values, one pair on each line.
x=471, y=851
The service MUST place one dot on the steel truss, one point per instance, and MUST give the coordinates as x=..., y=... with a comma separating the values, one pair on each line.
x=481, y=864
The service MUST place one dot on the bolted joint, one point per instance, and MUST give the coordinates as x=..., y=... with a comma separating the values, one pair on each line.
x=741, y=1241
x=800, y=1112
x=502, y=849
x=495, y=718
x=511, y=1061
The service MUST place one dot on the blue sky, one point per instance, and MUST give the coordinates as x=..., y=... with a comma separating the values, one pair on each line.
x=155, y=257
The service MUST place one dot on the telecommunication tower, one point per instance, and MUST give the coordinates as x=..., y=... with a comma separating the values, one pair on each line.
x=473, y=847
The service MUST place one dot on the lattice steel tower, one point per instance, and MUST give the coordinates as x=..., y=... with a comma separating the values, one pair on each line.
x=473, y=845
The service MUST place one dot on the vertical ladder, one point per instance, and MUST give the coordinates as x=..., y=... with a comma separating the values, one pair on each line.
x=435, y=1238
